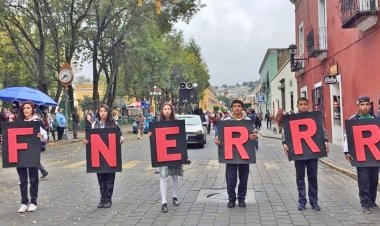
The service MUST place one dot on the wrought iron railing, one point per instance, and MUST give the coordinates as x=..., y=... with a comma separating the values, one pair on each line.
x=316, y=41
x=349, y=9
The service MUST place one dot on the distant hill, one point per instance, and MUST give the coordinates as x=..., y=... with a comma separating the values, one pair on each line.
x=238, y=91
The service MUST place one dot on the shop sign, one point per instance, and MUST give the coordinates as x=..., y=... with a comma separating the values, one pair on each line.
x=330, y=79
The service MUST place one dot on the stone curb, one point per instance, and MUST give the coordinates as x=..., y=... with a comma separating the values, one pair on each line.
x=328, y=163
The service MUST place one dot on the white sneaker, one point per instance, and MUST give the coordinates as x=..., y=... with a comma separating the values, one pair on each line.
x=22, y=209
x=32, y=208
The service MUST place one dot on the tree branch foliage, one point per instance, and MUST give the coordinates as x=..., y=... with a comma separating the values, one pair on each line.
x=132, y=47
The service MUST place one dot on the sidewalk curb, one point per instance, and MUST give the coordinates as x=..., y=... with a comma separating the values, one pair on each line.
x=326, y=162
x=329, y=164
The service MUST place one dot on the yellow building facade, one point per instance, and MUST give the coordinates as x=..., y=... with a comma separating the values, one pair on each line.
x=85, y=90
x=209, y=100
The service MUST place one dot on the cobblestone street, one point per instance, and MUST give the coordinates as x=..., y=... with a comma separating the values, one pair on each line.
x=69, y=196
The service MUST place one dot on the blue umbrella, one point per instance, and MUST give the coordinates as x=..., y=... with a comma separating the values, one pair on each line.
x=22, y=94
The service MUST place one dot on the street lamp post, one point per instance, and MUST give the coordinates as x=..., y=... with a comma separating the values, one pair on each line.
x=155, y=94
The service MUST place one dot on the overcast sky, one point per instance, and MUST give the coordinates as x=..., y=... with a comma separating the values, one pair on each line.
x=235, y=34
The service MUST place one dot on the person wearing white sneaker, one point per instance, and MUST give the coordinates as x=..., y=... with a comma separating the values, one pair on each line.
x=32, y=208
x=23, y=208
x=27, y=113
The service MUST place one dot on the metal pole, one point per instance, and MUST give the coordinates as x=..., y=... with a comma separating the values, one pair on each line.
x=65, y=136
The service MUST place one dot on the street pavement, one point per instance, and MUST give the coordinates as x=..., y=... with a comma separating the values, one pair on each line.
x=69, y=196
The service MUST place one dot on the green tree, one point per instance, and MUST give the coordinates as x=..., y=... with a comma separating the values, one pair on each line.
x=26, y=23
x=226, y=100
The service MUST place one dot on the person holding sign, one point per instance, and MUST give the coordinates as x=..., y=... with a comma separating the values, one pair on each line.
x=167, y=114
x=106, y=180
x=368, y=177
x=310, y=164
x=232, y=170
x=27, y=113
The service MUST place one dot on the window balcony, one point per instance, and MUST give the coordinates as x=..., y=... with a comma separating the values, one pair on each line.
x=361, y=14
x=317, y=43
x=298, y=63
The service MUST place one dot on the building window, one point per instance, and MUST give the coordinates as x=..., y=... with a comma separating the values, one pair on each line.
x=322, y=30
x=318, y=99
x=303, y=92
x=301, y=41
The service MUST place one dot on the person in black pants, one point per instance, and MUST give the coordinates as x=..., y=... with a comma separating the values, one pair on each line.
x=75, y=118
x=368, y=177
x=27, y=113
x=311, y=165
x=232, y=170
x=106, y=180
x=269, y=120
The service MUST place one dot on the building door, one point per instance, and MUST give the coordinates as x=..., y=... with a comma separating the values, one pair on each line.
x=336, y=111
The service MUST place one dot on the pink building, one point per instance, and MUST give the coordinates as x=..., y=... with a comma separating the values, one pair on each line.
x=337, y=57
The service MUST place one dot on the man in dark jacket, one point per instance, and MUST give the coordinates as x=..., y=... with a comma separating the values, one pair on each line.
x=233, y=169
x=368, y=177
x=311, y=165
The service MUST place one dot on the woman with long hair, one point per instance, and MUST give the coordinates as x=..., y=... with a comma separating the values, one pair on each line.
x=167, y=114
x=28, y=113
x=106, y=181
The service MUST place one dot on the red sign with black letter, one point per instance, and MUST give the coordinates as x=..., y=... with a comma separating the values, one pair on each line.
x=103, y=152
x=235, y=146
x=21, y=146
x=363, y=138
x=168, y=143
x=304, y=136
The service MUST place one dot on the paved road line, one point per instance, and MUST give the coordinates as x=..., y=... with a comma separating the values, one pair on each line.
x=74, y=165
x=130, y=164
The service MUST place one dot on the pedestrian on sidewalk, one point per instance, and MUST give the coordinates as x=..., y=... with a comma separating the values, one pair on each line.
x=75, y=117
x=232, y=170
x=52, y=125
x=311, y=165
x=167, y=114
x=368, y=177
x=61, y=123
x=215, y=121
x=280, y=114
x=27, y=113
x=140, y=121
x=258, y=120
x=268, y=118
x=45, y=126
x=89, y=119
x=106, y=180
x=253, y=116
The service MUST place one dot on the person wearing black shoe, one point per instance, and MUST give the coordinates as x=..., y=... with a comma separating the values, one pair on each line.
x=311, y=165
x=106, y=180
x=368, y=177
x=233, y=170
x=167, y=114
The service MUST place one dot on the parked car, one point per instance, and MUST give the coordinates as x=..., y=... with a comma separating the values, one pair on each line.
x=148, y=118
x=195, y=131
